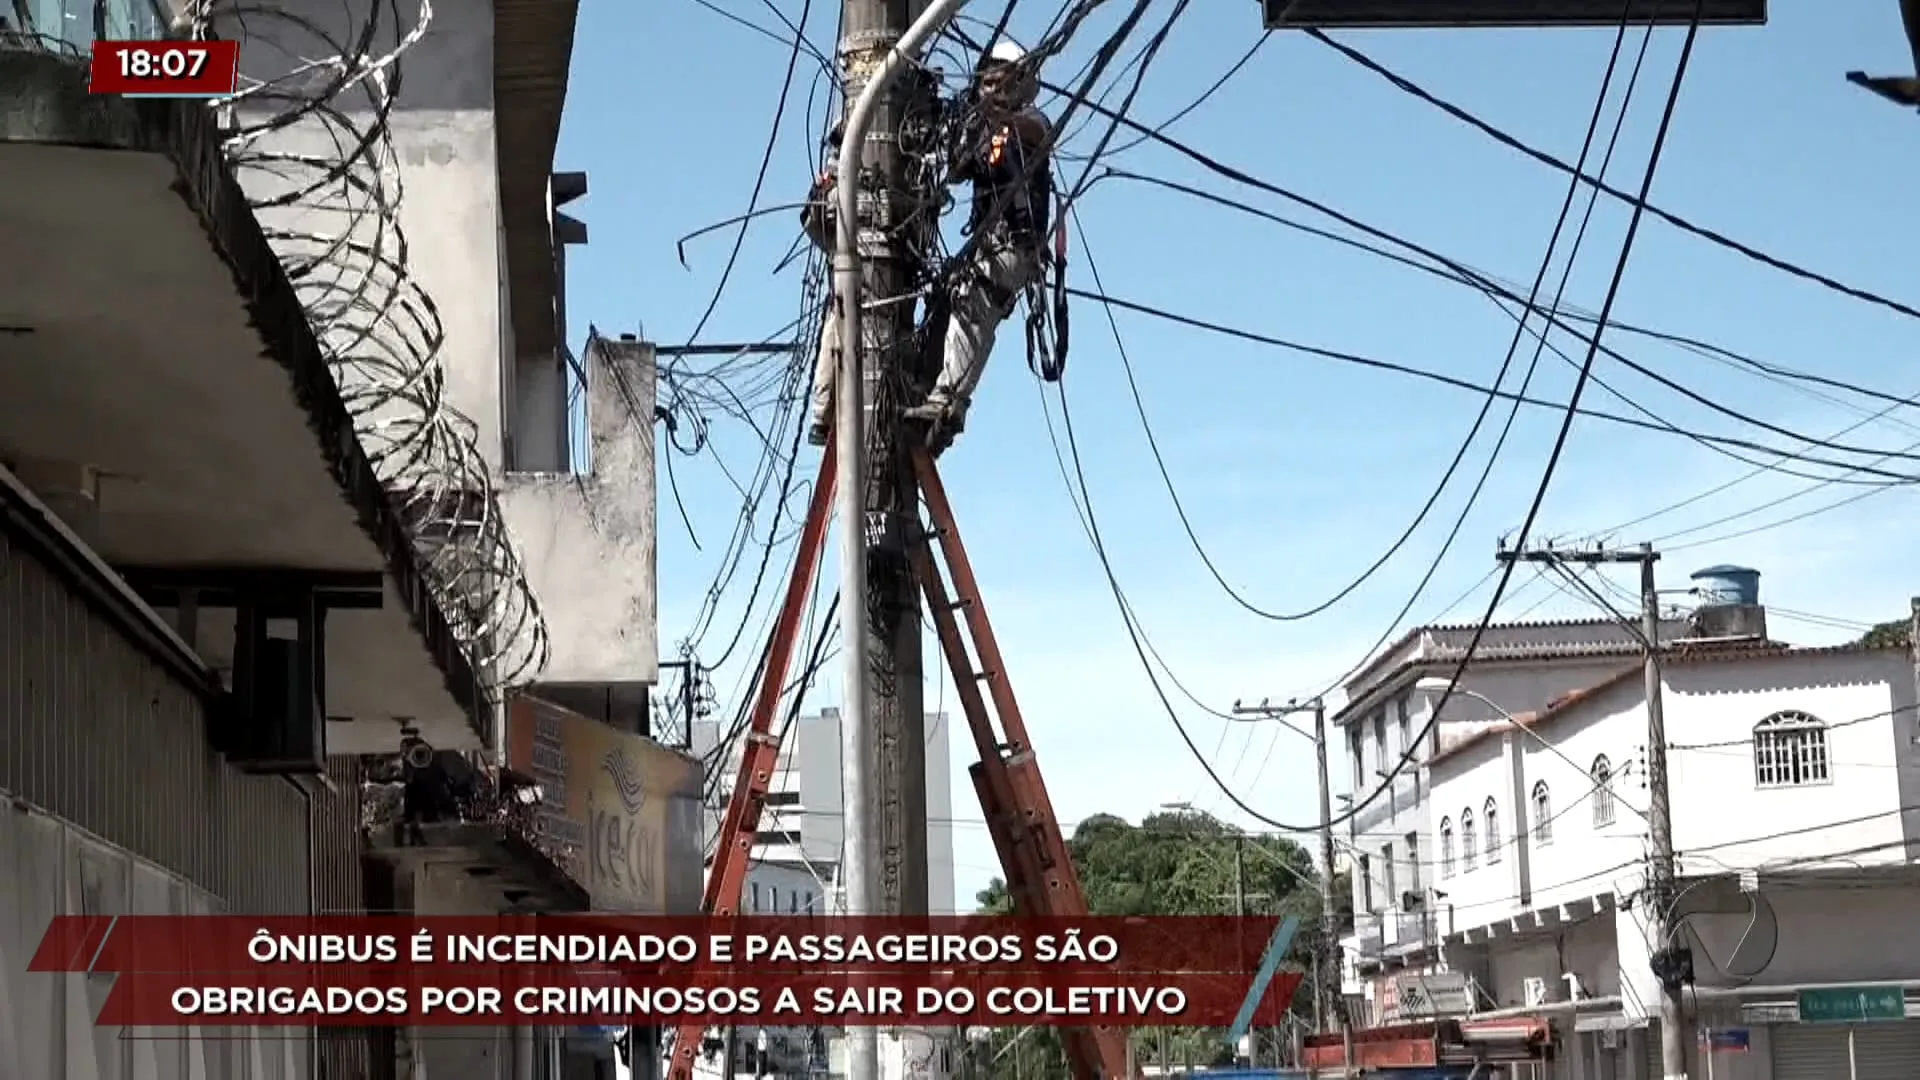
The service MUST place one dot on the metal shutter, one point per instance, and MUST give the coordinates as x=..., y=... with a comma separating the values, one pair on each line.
x=1889, y=1051
x=1813, y=1052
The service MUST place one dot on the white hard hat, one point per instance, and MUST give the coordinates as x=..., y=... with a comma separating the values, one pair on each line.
x=1004, y=51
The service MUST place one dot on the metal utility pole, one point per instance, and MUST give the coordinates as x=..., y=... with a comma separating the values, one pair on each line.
x=874, y=261
x=883, y=748
x=1672, y=963
x=1328, y=1003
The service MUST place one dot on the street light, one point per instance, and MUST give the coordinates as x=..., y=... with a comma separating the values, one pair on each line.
x=1434, y=684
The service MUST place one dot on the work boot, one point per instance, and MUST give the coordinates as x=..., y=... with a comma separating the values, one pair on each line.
x=817, y=433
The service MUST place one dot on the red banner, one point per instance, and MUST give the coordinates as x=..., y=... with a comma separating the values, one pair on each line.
x=655, y=945
x=579, y=970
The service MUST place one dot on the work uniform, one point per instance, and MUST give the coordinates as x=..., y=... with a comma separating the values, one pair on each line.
x=1007, y=161
x=818, y=220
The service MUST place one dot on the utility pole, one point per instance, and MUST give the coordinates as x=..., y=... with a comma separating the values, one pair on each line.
x=892, y=708
x=1672, y=963
x=1328, y=1003
x=883, y=746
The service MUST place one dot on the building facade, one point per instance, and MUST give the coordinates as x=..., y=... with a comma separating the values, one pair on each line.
x=1793, y=778
x=1398, y=918
x=289, y=508
x=801, y=830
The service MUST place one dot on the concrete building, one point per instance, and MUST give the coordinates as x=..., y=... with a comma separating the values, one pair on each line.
x=1793, y=785
x=1518, y=665
x=802, y=824
x=795, y=870
x=286, y=489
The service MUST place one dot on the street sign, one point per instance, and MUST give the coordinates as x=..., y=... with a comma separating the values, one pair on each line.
x=1726, y=1040
x=1852, y=1004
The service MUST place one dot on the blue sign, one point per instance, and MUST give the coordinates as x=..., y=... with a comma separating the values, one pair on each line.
x=1725, y=1040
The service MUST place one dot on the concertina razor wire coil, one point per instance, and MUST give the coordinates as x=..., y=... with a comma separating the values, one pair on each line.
x=314, y=153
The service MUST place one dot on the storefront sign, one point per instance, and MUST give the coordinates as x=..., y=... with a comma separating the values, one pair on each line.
x=613, y=806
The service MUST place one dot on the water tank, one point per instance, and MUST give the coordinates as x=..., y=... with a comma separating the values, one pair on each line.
x=1727, y=585
x=1729, y=604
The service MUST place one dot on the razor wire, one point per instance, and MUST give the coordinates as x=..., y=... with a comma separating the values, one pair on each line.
x=314, y=154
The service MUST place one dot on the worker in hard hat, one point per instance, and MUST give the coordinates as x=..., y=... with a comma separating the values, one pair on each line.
x=1003, y=149
x=819, y=220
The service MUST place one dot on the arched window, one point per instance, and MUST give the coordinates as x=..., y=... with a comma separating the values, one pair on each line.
x=1466, y=841
x=1492, y=818
x=1542, y=814
x=1602, y=776
x=1446, y=847
x=1790, y=750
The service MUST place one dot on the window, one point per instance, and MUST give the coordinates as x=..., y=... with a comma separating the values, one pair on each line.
x=1356, y=749
x=1380, y=739
x=1790, y=750
x=1602, y=774
x=1542, y=814
x=1406, y=724
x=1492, y=816
x=1366, y=884
x=1466, y=841
x=782, y=798
x=753, y=904
x=1413, y=862
x=793, y=902
x=1387, y=867
x=1446, y=848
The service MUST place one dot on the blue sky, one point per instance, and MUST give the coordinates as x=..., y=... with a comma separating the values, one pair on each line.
x=1298, y=471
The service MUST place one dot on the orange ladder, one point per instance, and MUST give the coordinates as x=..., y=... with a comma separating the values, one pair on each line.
x=1033, y=852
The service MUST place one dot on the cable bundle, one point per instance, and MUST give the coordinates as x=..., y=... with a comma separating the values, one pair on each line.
x=313, y=151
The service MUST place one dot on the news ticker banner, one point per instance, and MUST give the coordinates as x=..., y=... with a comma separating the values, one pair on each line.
x=163, y=69
x=184, y=971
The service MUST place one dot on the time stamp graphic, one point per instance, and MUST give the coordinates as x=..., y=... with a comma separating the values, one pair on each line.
x=165, y=69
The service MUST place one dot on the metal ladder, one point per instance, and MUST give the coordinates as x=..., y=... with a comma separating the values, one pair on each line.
x=1033, y=852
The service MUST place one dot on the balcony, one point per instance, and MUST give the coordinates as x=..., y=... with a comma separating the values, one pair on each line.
x=1369, y=933
x=165, y=390
x=1392, y=934
x=1406, y=931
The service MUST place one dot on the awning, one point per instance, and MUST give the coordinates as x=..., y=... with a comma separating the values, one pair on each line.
x=1513, y=1029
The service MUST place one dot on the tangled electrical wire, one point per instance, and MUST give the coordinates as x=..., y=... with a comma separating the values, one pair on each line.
x=314, y=153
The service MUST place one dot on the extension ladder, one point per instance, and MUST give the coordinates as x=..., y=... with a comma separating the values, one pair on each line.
x=1038, y=869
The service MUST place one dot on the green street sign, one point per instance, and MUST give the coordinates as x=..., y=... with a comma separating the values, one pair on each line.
x=1852, y=1005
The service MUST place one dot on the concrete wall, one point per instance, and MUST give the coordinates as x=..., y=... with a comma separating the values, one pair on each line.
x=446, y=170
x=589, y=541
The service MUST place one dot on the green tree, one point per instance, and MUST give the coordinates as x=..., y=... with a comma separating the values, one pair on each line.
x=1887, y=635
x=1173, y=863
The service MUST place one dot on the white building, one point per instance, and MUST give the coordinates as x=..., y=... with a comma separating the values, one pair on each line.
x=801, y=828
x=1795, y=784
x=795, y=869
x=1522, y=666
